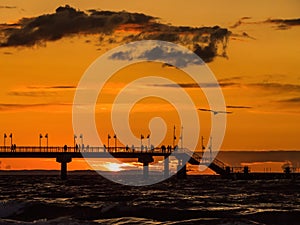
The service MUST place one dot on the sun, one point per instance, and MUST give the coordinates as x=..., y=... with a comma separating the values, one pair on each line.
x=113, y=167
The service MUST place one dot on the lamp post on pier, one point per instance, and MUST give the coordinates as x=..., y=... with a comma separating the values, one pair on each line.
x=81, y=138
x=142, y=137
x=115, y=137
x=40, y=141
x=75, y=136
x=148, y=137
x=181, y=137
x=174, y=136
x=5, y=136
x=108, y=137
x=11, y=138
x=46, y=136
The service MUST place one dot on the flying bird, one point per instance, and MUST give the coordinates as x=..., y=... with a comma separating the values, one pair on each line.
x=213, y=111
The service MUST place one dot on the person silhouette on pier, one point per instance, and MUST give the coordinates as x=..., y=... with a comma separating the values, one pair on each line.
x=127, y=148
x=175, y=147
x=152, y=148
x=142, y=148
x=163, y=148
x=168, y=148
x=132, y=147
x=65, y=148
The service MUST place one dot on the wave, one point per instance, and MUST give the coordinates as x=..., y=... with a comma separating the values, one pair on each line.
x=116, y=213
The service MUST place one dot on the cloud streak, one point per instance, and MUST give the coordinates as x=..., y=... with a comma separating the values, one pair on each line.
x=41, y=91
x=238, y=107
x=206, y=42
x=277, y=87
x=291, y=100
x=284, y=24
x=196, y=85
x=16, y=106
x=281, y=24
x=7, y=7
x=53, y=87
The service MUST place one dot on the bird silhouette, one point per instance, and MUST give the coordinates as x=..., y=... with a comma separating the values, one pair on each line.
x=214, y=111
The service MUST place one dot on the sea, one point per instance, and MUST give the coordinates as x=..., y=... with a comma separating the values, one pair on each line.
x=88, y=198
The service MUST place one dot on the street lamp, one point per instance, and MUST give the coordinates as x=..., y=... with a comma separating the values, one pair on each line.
x=41, y=136
x=142, y=137
x=75, y=136
x=81, y=137
x=181, y=137
x=202, y=145
x=174, y=136
x=108, y=137
x=46, y=136
x=5, y=136
x=148, y=137
x=11, y=138
x=115, y=137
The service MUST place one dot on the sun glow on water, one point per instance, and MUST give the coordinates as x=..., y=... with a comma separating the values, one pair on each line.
x=113, y=167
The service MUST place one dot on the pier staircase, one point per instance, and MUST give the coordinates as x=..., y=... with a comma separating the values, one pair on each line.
x=216, y=165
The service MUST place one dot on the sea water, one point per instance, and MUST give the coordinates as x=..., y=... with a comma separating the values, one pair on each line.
x=91, y=199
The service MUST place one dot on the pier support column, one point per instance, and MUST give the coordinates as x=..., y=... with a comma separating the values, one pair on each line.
x=181, y=168
x=145, y=170
x=146, y=159
x=166, y=167
x=63, y=159
x=181, y=174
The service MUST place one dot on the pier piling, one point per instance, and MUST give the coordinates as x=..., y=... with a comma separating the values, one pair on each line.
x=145, y=159
x=63, y=159
x=166, y=167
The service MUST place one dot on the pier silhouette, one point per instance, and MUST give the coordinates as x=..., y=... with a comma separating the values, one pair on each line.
x=65, y=154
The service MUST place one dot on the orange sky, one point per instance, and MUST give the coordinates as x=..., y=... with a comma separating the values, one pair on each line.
x=262, y=72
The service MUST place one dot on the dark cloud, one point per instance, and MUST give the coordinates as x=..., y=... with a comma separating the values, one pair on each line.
x=277, y=87
x=53, y=87
x=181, y=59
x=206, y=42
x=16, y=106
x=242, y=36
x=195, y=85
x=291, y=100
x=40, y=91
x=67, y=21
x=238, y=107
x=240, y=22
x=31, y=93
x=7, y=7
x=159, y=52
x=284, y=24
x=281, y=24
x=230, y=79
x=167, y=65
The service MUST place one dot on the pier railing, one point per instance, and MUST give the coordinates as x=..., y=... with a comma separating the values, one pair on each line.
x=57, y=149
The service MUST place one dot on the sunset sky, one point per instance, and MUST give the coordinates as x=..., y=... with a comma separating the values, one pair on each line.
x=257, y=69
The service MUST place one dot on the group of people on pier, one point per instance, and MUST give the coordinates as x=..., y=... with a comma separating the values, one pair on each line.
x=133, y=149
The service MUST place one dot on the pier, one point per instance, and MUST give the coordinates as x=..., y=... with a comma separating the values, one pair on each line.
x=64, y=155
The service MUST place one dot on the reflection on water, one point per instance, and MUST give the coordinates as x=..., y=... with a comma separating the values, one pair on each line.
x=91, y=199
